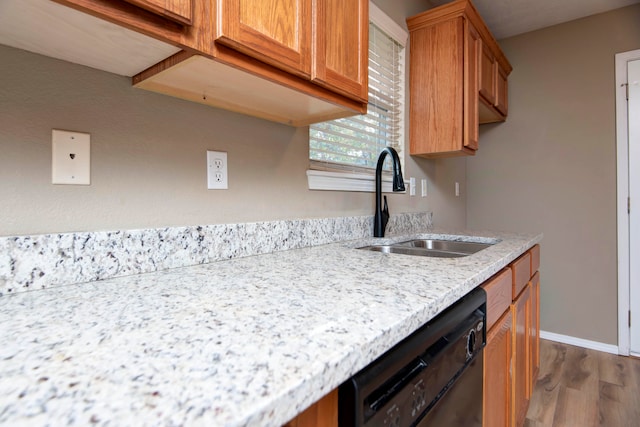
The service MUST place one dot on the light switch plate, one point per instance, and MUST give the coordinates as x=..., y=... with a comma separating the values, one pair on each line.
x=71, y=157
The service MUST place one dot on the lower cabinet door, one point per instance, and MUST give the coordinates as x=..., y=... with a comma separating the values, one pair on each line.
x=497, y=374
x=534, y=334
x=521, y=390
x=323, y=413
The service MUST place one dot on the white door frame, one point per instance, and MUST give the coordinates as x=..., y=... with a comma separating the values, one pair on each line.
x=622, y=137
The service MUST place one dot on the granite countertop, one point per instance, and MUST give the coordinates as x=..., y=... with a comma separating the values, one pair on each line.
x=248, y=341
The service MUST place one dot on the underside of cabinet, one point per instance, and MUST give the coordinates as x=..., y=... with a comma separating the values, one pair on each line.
x=195, y=77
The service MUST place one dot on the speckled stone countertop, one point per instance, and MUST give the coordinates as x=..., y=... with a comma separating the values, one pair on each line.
x=249, y=341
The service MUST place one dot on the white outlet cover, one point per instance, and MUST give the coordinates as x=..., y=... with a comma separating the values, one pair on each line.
x=70, y=157
x=217, y=170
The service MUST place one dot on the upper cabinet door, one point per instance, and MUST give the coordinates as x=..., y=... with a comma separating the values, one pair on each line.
x=277, y=32
x=488, y=72
x=180, y=11
x=473, y=48
x=341, y=46
x=502, y=91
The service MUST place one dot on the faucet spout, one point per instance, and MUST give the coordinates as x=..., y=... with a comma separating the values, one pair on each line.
x=382, y=215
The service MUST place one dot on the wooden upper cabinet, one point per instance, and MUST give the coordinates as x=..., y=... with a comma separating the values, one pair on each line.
x=323, y=40
x=341, y=44
x=180, y=11
x=444, y=88
x=458, y=80
x=435, y=77
x=277, y=32
x=280, y=60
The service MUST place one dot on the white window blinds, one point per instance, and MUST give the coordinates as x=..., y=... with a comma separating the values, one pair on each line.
x=354, y=143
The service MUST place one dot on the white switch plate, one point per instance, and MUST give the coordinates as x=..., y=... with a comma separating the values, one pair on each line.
x=70, y=157
x=457, y=189
x=412, y=186
x=217, y=170
x=424, y=187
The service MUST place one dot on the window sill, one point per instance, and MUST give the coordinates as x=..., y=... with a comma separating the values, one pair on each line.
x=344, y=181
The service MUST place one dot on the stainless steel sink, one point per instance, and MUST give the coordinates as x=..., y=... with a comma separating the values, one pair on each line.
x=431, y=248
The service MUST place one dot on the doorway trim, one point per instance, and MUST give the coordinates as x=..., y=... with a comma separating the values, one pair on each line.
x=622, y=150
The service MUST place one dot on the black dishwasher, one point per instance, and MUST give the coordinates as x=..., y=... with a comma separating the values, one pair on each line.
x=431, y=378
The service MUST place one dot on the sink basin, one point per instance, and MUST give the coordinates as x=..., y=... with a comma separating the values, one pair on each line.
x=446, y=245
x=431, y=248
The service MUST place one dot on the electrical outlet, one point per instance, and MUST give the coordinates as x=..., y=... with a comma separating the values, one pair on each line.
x=457, y=189
x=412, y=186
x=217, y=170
x=424, y=187
x=70, y=157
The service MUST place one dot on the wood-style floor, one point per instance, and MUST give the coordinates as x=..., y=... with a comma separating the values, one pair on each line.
x=578, y=387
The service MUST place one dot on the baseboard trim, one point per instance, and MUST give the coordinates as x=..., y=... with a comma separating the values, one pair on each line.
x=579, y=342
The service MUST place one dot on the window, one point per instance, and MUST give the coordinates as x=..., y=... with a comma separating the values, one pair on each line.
x=343, y=153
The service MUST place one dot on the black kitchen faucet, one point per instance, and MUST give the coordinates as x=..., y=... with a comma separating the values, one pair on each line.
x=382, y=215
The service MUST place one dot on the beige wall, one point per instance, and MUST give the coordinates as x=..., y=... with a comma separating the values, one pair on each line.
x=551, y=167
x=149, y=152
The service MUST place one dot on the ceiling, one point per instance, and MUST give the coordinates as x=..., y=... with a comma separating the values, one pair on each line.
x=506, y=18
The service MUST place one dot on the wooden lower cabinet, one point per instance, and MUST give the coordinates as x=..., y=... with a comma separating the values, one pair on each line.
x=512, y=352
x=521, y=390
x=323, y=413
x=497, y=373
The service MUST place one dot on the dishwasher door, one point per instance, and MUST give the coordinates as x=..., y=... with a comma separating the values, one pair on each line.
x=461, y=405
